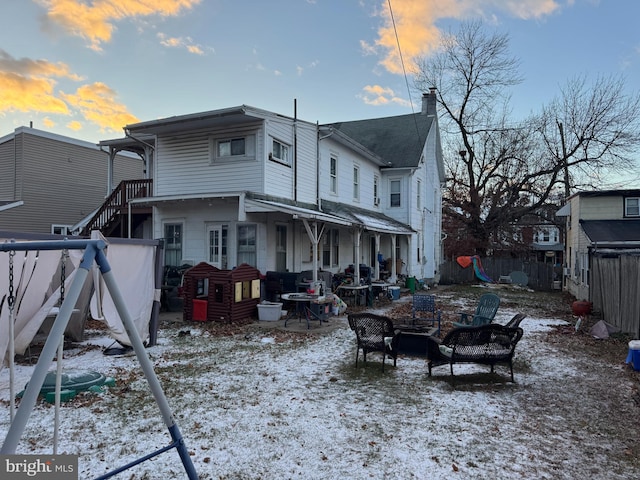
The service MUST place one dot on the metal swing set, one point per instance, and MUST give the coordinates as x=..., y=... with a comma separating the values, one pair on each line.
x=93, y=251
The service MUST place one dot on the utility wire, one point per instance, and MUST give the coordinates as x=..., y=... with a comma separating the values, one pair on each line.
x=404, y=72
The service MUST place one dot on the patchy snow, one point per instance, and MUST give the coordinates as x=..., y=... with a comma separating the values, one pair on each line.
x=268, y=405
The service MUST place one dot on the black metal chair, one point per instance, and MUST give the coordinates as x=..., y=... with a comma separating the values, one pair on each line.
x=424, y=312
x=374, y=333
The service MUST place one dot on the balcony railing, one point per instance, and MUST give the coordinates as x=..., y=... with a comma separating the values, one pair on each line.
x=116, y=205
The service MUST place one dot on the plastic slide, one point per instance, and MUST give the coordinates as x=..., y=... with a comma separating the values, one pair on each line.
x=466, y=261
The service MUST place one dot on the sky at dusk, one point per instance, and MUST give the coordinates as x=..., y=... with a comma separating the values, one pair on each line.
x=86, y=68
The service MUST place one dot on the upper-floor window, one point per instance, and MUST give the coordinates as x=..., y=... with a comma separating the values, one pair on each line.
x=234, y=148
x=419, y=196
x=394, y=193
x=632, y=207
x=333, y=175
x=280, y=152
x=356, y=183
x=548, y=235
x=376, y=192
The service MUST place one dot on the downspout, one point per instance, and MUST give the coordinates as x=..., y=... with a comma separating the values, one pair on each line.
x=318, y=199
x=295, y=150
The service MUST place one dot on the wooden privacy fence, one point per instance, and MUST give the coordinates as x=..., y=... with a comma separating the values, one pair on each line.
x=541, y=275
x=615, y=290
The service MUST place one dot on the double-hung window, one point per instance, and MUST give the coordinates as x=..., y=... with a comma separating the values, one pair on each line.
x=172, y=244
x=394, y=193
x=247, y=244
x=356, y=182
x=632, y=207
x=331, y=248
x=376, y=193
x=333, y=175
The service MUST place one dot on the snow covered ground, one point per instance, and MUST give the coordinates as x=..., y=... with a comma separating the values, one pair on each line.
x=264, y=405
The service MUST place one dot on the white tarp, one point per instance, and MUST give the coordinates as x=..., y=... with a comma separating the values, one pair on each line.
x=133, y=270
x=33, y=274
x=36, y=289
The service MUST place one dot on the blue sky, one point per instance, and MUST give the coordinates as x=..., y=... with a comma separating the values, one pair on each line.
x=84, y=69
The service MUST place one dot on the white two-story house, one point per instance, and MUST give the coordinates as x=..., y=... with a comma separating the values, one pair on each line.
x=245, y=185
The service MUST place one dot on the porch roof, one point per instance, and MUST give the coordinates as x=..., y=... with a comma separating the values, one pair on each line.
x=258, y=205
x=369, y=220
x=622, y=233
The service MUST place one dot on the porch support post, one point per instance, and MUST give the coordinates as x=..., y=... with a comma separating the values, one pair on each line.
x=377, y=263
x=112, y=155
x=356, y=266
x=394, y=260
x=314, y=236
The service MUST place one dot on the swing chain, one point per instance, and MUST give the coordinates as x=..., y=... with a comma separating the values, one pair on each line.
x=63, y=274
x=12, y=299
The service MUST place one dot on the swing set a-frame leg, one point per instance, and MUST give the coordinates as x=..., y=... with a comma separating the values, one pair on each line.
x=93, y=251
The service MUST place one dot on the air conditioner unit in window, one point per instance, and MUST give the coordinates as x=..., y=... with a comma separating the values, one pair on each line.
x=376, y=201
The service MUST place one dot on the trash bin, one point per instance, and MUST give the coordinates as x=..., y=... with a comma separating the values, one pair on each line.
x=633, y=356
x=411, y=284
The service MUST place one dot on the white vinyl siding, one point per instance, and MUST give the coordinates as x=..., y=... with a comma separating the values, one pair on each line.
x=184, y=166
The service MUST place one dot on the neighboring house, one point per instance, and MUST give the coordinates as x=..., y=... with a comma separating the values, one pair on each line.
x=244, y=185
x=602, y=253
x=543, y=236
x=49, y=182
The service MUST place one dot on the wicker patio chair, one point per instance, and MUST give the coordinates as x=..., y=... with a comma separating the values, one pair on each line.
x=515, y=321
x=374, y=333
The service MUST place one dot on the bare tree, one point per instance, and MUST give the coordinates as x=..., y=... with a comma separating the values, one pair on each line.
x=498, y=170
x=591, y=130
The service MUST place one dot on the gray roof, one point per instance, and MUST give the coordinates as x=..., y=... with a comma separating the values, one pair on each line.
x=612, y=232
x=398, y=139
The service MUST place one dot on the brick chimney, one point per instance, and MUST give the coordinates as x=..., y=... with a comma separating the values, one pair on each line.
x=429, y=102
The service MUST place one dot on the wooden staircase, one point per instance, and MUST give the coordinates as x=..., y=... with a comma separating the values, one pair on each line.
x=112, y=219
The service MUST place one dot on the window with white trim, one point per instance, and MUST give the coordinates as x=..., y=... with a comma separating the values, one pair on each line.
x=376, y=190
x=333, y=175
x=172, y=244
x=356, y=182
x=632, y=207
x=241, y=147
x=394, y=193
x=419, y=197
x=280, y=152
x=60, y=229
x=247, y=252
x=330, y=248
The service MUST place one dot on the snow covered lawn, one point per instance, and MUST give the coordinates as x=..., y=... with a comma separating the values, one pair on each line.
x=266, y=405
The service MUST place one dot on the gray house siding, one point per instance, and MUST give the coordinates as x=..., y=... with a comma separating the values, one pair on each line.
x=60, y=180
x=7, y=170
